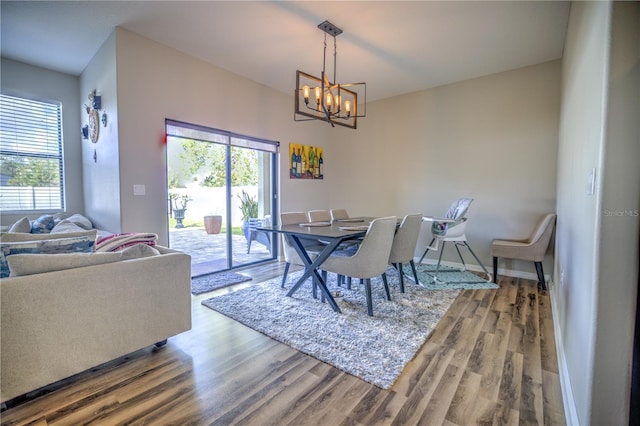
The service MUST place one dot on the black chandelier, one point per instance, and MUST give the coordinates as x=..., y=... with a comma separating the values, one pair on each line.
x=320, y=99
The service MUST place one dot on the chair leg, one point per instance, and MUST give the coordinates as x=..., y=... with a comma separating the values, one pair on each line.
x=286, y=272
x=386, y=285
x=348, y=283
x=401, y=277
x=367, y=285
x=495, y=269
x=413, y=269
x=426, y=250
x=541, y=279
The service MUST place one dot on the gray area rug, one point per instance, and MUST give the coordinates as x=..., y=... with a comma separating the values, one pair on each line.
x=206, y=283
x=375, y=349
x=449, y=278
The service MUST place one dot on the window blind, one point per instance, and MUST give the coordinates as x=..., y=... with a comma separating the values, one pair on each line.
x=31, y=166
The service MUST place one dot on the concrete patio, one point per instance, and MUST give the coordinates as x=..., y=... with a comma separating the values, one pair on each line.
x=210, y=250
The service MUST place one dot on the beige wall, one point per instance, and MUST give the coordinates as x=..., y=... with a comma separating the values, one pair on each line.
x=597, y=251
x=492, y=138
x=155, y=82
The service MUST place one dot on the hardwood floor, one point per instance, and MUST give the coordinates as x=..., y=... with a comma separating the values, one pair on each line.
x=490, y=360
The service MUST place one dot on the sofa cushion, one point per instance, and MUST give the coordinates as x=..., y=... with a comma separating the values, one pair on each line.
x=8, y=237
x=29, y=264
x=22, y=226
x=52, y=246
x=42, y=225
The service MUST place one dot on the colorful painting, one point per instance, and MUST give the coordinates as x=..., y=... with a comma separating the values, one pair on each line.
x=305, y=162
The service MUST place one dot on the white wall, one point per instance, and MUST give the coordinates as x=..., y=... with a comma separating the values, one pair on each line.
x=597, y=252
x=102, y=175
x=492, y=138
x=20, y=79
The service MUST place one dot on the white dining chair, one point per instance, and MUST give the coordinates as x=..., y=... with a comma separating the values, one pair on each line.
x=404, y=246
x=370, y=260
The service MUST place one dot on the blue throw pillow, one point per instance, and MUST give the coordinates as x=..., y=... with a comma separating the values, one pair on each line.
x=42, y=225
x=79, y=244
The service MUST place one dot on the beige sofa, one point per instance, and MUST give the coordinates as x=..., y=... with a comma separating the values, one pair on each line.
x=56, y=324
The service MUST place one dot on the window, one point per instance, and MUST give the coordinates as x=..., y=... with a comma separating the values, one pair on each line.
x=31, y=176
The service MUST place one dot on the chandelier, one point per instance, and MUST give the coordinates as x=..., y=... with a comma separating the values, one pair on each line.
x=321, y=99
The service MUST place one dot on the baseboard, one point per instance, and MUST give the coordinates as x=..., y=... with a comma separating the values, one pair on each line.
x=570, y=412
x=501, y=271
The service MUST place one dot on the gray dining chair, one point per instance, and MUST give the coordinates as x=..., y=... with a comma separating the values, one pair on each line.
x=404, y=245
x=319, y=216
x=337, y=214
x=371, y=259
x=291, y=256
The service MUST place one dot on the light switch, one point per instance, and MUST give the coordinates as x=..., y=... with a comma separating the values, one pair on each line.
x=139, y=189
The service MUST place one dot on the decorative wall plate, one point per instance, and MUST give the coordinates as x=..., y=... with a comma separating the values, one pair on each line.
x=94, y=125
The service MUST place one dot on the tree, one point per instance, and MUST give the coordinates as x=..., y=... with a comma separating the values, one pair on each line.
x=25, y=171
x=208, y=161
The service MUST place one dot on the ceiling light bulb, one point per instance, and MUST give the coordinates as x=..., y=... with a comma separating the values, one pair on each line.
x=305, y=93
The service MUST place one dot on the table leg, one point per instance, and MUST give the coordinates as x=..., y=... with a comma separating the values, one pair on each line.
x=311, y=267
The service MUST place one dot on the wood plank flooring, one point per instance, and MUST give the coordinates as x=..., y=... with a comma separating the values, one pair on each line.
x=490, y=360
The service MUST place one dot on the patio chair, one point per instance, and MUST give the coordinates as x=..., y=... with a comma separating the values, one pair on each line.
x=260, y=236
x=371, y=259
x=451, y=228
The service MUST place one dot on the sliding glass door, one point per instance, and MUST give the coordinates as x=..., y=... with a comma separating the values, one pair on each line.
x=221, y=188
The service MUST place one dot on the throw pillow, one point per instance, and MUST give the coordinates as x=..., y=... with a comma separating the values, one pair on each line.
x=22, y=226
x=80, y=220
x=42, y=225
x=29, y=264
x=82, y=244
x=66, y=226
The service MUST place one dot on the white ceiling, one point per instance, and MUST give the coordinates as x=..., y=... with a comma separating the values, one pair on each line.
x=395, y=47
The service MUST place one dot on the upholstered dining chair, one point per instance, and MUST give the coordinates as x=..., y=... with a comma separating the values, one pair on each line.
x=291, y=256
x=370, y=260
x=532, y=249
x=404, y=245
x=337, y=214
x=319, y=216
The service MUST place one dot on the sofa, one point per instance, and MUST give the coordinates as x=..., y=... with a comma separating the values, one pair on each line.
x=99, y=307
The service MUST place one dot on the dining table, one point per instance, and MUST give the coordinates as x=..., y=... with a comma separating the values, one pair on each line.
x=332, y=234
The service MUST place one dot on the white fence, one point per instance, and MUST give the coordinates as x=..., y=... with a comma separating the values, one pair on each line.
x=30, y=198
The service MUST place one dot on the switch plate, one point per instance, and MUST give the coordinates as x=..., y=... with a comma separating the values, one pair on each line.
x=591, y=182
x=139, y=189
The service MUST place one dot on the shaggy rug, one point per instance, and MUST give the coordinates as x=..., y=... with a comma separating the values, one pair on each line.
x=206, y=283
x=449, y=278
x=375, y=349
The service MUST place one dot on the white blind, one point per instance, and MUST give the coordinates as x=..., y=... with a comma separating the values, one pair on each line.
x=31, y=174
